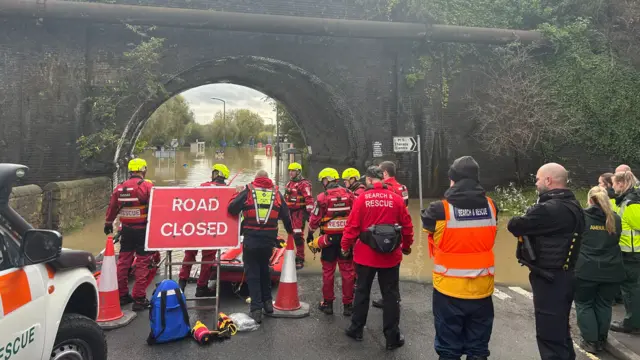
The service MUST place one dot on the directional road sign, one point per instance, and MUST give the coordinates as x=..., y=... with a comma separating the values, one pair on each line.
x=174, y=143
x=404, y=144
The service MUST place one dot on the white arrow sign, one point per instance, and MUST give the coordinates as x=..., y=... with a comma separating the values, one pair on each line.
x=404, y=144
x=174, y=143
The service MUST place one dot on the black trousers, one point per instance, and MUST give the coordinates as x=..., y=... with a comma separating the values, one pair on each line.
x=552, y=304
x=388, y=279
x=463, y=326
x=256, y=267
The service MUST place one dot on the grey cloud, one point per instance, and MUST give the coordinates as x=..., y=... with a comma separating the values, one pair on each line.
x=235, y=96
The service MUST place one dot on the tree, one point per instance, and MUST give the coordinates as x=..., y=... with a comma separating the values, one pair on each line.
x=168, y=122
x=514, y=112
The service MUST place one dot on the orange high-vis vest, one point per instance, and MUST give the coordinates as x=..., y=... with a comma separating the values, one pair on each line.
x=466, y=247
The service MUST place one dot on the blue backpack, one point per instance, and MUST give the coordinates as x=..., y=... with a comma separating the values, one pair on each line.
x=168, y=315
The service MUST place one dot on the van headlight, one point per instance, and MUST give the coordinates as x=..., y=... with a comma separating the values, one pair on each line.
x=20, y=173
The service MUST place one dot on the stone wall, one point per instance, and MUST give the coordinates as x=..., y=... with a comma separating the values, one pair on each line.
x=73, y=201
x=27, y=201
x=62, y=205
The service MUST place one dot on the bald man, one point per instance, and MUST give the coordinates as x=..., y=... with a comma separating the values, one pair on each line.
x=624, y=168
x=553, y=227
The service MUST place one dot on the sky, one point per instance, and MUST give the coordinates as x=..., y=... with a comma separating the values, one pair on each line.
x=235, y=96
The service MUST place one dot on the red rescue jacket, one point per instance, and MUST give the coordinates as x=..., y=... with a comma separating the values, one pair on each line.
x=398, y=188
x=331, y=210
x=297, y=194
x=377, y=206
x=130, y=200
x=216, y=182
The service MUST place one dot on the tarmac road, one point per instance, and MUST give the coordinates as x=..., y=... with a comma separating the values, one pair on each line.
x=321, y=336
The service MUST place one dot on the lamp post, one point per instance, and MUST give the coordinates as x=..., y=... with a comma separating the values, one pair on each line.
x=224, y=119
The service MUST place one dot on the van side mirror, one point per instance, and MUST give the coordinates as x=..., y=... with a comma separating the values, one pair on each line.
x=40, y=246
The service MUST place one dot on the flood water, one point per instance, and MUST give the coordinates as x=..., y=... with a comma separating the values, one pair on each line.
x=188, y=169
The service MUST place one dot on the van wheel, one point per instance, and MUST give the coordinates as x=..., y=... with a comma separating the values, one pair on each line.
x=79, y=338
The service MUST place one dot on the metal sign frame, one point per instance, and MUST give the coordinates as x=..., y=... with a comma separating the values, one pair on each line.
x=416, y=146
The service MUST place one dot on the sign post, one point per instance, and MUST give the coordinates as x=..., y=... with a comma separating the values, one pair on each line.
x=192, y=218
x=402, y=144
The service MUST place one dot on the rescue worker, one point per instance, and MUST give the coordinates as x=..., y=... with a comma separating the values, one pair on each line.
x=261, y=205
x=130, y=200
x=549, y=243
x=462, y=231
x=300, y=203
x=624, y=168
x=628, y=208
x=219, y=174
x=330, y=212
x=389, y=171
x=351, y=177
x=377, y=216
x=599, y=271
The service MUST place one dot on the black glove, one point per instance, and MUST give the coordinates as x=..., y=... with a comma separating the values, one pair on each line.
x=345, y=253
x=406, y=251
x=309, y=237
x=108, y=229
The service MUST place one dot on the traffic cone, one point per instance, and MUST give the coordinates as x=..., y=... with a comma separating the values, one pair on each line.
x=110, y=315
x=287, y=304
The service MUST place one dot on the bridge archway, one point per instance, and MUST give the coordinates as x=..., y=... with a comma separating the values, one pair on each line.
x=326, y=121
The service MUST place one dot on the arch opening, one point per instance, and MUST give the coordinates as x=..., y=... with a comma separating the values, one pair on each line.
x=325, y=120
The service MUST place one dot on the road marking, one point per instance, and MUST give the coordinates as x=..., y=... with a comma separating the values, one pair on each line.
x=588, y=354
x=521, y=291
x=500, y=295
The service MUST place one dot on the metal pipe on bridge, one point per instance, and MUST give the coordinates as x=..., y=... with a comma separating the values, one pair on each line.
x=275, y=24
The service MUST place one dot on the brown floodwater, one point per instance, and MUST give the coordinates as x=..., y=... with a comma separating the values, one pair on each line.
x=188, y=169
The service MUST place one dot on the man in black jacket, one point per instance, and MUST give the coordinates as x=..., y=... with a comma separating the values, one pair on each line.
x=552, y=227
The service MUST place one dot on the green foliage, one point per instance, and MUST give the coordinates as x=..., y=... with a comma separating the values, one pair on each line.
x=238, y=127
x=289, y=128
x=168, y=122
x=138, y=80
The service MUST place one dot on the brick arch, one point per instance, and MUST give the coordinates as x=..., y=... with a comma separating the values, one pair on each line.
x=327, y=123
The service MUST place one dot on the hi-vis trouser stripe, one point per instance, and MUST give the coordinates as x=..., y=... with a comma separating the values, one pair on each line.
x=453, y=223
x=19, y=287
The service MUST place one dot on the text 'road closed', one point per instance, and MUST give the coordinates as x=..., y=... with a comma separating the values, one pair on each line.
x=191, y=218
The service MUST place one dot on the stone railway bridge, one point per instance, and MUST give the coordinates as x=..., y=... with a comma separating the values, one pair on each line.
x=340, y=77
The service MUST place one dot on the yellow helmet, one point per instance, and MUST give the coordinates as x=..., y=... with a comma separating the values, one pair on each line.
x=295, y=166
x=137, y=164
x=330, y=173
x=222, y=169
x=350, y=173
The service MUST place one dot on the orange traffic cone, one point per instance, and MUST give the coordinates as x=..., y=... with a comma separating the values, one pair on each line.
x=287, y=303
x=110, y=315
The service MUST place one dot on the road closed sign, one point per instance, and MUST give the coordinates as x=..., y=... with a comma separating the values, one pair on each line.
x=190, y=218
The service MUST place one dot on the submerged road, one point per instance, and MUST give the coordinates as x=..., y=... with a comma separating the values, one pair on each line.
x=321, y=336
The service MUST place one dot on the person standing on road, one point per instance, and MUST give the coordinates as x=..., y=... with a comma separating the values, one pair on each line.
x=378, y=231
x=599, y=270
x=389, y=172
x=130, y=201
x=330, y=212
x=219, y=174
x=300, y=202
x=462, y=231
x=261, y=205
x=549, y=243
x=628, y=208
x=351, y=177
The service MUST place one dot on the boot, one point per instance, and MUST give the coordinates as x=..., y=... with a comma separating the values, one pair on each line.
x=326, y=307
x=126, y=299
x=589, y=346
x=348, y=309
x=378, y=303
x=396, y=344
x=268, y=307
x=619, y=326
x=354, y=334
x=140, y=304
x=183, y=284
x=473, y=357
x=299, y=263
x=204, y=291
x=256, y=315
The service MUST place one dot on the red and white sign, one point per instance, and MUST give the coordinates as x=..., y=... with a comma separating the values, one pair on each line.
x=190, y=218
x=268, y=150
